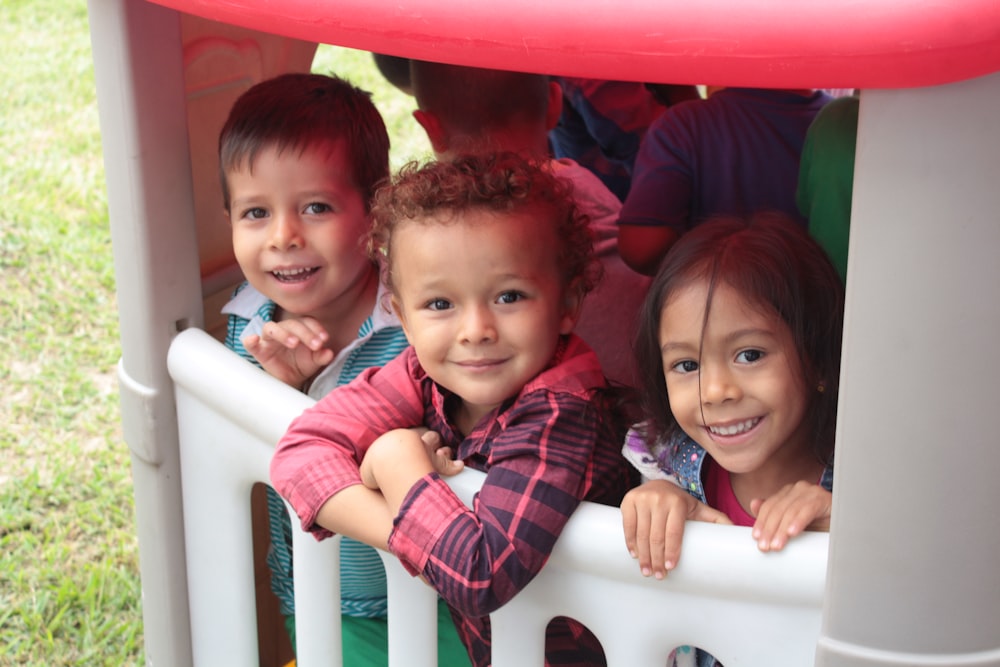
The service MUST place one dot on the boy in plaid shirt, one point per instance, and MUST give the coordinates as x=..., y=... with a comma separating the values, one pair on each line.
x=488, y=262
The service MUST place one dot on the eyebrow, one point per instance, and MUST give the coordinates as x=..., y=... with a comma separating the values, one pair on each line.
x=670, y=347
x=246, y=201
x=734, y=336
x=743, y=333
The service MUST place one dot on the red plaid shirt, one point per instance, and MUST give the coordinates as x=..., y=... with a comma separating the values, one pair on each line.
x=544, y=451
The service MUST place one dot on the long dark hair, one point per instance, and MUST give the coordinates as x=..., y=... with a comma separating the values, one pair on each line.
x=772, y=262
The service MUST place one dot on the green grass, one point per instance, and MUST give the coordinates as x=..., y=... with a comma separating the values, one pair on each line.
x=69, y=583
x=407, y=137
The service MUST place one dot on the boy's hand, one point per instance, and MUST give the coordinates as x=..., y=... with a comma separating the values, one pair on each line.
x=653, y=517
x=397, y=446
x=291, y=350
x=444, y=464
x=396, y=461
x=795, y=508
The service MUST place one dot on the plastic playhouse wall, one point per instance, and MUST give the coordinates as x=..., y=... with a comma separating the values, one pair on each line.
x=907, y=575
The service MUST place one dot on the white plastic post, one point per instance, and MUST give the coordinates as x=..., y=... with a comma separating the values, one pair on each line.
x=140, y=92
x=914, y=541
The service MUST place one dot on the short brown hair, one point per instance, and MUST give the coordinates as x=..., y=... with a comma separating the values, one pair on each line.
x=293, y=111
x=473, y=104
x=498, y=182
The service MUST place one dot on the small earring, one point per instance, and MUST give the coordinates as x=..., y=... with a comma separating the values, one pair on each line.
x=821, y=387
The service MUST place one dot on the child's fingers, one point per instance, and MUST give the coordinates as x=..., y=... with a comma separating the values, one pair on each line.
x=251, y=343
x=788, y=513
x=291, y=333
x=311, y=332
x=628, y=524
x=431, y=439
x=445, y=464
x=673, y=536
x=322, y=357
x=771, y=514
x=642, y=541
x=653, y=533
x=677, y=510
x=261, y=350
x=273, y=332
x=703, y=512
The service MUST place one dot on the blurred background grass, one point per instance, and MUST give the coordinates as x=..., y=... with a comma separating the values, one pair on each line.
x=69, y=583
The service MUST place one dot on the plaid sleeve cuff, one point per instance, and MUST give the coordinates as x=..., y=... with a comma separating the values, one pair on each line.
x=311, y=491
x=428, y=510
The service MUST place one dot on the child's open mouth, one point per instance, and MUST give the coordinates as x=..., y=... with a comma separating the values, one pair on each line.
x=734, y=429
x=294, y=275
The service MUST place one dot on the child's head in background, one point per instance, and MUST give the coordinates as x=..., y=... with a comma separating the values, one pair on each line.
x=739, y=343
x=488, y=262
x=474, y=110
x=300, y=157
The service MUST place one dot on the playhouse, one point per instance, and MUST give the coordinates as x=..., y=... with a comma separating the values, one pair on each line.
x=907, y=575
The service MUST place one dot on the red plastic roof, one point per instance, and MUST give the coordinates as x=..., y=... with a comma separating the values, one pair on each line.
x=761, y=43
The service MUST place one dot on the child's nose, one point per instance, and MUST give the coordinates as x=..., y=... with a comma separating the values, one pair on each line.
x=286, y=232
x=478, y=325
x=718, y=384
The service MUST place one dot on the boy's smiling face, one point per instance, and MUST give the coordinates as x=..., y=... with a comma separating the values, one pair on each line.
x=299, y=225
x=482, y=302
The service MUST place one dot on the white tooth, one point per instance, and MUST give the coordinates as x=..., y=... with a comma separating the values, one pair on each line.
x=290, y=272
x=734, y=429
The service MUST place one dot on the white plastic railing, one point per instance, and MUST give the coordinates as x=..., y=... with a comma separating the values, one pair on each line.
x=744, y=607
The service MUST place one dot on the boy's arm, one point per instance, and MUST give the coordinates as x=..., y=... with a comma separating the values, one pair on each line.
x=397, y=460
x=479, y=559
x=318, y=457
x=359, y=513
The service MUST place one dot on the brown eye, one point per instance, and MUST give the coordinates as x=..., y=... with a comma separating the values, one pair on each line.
x=438, y=304
x=686, y=366
x=318, y=208
x=510, y=297
x=749, y=356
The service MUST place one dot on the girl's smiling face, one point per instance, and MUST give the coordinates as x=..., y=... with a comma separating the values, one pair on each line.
x=735, y=381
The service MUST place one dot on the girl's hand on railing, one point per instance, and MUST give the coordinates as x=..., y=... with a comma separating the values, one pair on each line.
x=795, y=508
x=653, y=517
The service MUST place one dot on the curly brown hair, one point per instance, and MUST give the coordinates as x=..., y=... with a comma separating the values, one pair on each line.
x=498, y=182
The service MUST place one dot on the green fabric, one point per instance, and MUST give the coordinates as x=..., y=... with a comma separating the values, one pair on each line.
x=826, y=177
x=366, y=640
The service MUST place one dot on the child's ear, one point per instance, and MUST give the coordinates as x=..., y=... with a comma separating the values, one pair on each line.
x=572, y=306
x=397, y=308
x=432, y=126
x=554, y=109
